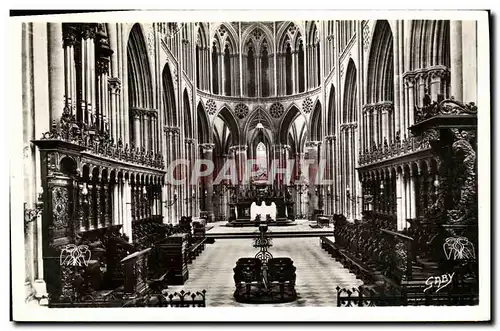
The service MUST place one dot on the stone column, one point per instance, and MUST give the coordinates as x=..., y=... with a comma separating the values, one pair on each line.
x=146, y=130
x=56, y=71
x=435, y=84
x=410, y=84
x=137, y=129
x=129, y=209
x=420, y=78
x=115, y=219
x=114, y=86
x=207, y=150
x=413, y=196
x=456, y=59
x=404, y=202
x=399, y=201
x=69, y=35
x=312, y=151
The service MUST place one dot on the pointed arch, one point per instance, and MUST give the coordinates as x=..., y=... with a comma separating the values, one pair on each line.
x=140, y=86
x=284, y=33
x=381, y=64
x=229, y=36
x=430, y=43
x=203, y=124
x=331, y=117
x=350, y=99
x=257, y=115
x=291, y=114
x=232, y=123
x=315, y=123
x=267, y=34
x=202, y=44
x=170, y=112
x=188, y=126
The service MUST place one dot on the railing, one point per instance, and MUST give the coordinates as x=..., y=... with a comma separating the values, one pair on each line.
x=393, y=149
x=100, y=143
x=372, y=245
x=402, y=257
x=364, y=297
x=182, y=299
x=269, y=100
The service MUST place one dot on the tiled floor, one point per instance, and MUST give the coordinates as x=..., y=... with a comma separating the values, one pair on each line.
x=318, y=274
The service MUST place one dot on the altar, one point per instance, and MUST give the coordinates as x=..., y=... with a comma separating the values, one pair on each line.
x=272, y=204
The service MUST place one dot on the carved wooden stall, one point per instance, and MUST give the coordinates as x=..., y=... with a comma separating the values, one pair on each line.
x=442, y=238
x=89, y=180
x=451, y=128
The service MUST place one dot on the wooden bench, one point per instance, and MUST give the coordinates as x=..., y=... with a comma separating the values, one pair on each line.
x=347, y=261
x=196, y=249
x=323, y=221
x=156, y=285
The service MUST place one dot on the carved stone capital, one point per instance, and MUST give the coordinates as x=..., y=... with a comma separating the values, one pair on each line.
x=207, y=147
x=313, y=143
x=114, y=85
x=238, y=148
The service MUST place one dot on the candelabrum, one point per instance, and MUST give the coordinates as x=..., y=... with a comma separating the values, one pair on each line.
x=31, y=214
x=170, y=203
x=349, y=197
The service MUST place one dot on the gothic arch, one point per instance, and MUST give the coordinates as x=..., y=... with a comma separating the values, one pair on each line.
x=283, y=32
x=232, y=123
x=331, y=117
x=188, y=126
x=267, y=35
x=291, y=114
x=204, y=131
x=202, y=35
x=140, y=88
x=349, y=113
x=258, y=114
x=229, y=36
x=429, y=42
x=315, y=123
x=169, y=97
x=380, y=78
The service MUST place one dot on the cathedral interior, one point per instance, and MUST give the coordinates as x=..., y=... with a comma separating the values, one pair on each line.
x=127, y=129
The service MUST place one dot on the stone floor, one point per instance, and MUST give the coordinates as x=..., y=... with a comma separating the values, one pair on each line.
x=300, y=225
x=318, y=274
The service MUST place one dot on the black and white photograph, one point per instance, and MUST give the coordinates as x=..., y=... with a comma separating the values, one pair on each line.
x=272, y=161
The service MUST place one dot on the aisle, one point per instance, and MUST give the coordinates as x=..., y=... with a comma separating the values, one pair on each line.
x=318, y=274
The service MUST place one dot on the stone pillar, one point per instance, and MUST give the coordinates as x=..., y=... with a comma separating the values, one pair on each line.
x=69, y=35
x=137, y=129
x=410, y=85
x=115, y=218
x=399, y=201
x=456, y=59
x=312, y=152
x=207, y=150
x=129, y=208
x=56, y=71
x=435, y=84
x=413, y=196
